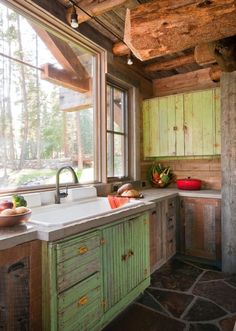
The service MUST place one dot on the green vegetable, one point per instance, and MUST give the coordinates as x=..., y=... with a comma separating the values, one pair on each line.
x=19, y=201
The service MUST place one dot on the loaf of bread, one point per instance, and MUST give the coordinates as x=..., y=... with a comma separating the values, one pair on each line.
x=124, y=188
x=131, y=193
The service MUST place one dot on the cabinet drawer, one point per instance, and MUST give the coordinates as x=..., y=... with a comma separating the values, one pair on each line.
x=77, y=269
x=79, y=246
x=80, y=307
x=77, y=259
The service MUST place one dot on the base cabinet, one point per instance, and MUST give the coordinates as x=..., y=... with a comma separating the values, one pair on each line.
x=200, y=228
x=91, y=277
x=125, y=263
x=20, y=287
x=163, y=232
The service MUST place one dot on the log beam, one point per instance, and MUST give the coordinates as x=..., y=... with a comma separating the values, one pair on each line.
x=203, y=54
x=195, y=80
x=62, y=52
x=120, y=49
x=93, y=8
x=170, y=64
x=64, y=78
x=162, y=27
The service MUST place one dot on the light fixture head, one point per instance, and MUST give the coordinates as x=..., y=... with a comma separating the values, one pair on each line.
x=74, y=19
x=129, y=60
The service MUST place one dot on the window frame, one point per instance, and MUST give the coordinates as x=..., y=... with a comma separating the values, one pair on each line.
x=124, y=134
x=44, y=19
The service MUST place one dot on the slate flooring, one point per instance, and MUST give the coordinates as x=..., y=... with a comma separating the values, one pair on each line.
x=183, y=296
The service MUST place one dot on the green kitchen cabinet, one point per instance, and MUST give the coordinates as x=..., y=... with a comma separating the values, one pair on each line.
x=72, y=283
x=126, y=266
x=90, y=277
x=162, y=120
x=185, y=124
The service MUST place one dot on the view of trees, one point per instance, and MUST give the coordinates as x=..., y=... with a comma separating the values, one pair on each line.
x=35, y=134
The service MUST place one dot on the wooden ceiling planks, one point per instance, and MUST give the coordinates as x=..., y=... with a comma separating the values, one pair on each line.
x=111, y=24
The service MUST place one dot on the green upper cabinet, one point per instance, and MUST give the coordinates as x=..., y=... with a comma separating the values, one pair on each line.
x=182, y=125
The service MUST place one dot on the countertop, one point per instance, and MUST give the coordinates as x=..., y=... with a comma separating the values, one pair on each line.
x=12, y=236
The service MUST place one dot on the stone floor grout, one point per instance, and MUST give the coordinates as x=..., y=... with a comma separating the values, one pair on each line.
x=175, y=295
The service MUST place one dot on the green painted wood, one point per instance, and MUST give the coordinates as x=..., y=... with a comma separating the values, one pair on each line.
x=163, y=126
x=184, y=125
x=146, y=128
x=137, y=246
x=153, y=126
x=124, y=302
x=117, y=283
x=72, y=313
x=126, y=260
x=179, y=123
x=68, y=274
x=52, y=288
x=114, y=270
x=171, y=124
x=71, y=248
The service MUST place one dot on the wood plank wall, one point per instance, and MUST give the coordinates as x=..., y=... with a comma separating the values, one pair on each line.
x=208, y=170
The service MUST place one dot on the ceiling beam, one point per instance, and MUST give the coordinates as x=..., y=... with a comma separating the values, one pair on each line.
x=120, y=49
x=163, y=27
x=64, y=78
x=191, y=81
x=170, y=64
x=93, y=8
x=203, y=55
x=62, y=52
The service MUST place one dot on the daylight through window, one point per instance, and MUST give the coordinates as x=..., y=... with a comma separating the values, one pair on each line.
x=47, y=107
x=117, y=132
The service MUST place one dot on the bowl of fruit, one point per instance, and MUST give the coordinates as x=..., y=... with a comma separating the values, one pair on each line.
x=160, y=176
x=14, y=212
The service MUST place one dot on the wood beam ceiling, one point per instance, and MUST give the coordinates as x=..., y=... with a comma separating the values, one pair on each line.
x=163, y=27
x=93, y=8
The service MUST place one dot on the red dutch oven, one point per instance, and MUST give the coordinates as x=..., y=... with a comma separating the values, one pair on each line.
x=189, y=184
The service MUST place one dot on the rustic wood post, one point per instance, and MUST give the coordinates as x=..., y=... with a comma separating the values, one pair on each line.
x=228, y=164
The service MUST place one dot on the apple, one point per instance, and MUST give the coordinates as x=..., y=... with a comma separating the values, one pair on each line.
x=5, y=205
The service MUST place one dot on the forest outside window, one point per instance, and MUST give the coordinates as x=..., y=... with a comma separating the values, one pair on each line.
x=117, y=132
x=47, y=105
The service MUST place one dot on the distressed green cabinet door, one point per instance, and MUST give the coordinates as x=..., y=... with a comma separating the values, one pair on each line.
x=125, y=258
x=182, y=125
x=163, y=126
x=114, y=269
x=202, y=123
x=137, y=250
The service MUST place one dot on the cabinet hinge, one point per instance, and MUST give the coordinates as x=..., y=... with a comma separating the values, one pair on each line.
x=145, y=221
x=104, y=302
x=102, y=241
x=145, y=272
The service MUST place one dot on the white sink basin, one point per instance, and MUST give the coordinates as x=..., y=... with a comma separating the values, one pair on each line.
x=64, y=214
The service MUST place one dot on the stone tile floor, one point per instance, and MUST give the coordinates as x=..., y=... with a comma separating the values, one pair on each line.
x=183, y=296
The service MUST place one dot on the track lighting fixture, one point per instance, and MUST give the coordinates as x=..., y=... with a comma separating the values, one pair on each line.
x=129, y=59
x=74, y=19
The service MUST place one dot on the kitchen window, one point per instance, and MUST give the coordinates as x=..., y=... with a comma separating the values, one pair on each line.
x=117, y=131
x=48, y=105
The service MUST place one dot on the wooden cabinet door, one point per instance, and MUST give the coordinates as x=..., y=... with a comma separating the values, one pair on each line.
x=158, y=236
x=182, y=125
x=20, y=287
x=137, y=248
x=200, y=227
x=202, y=123
x=125, y=258
x=114, y=258
x=163, y=126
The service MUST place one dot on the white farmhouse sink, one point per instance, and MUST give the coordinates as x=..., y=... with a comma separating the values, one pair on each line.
x=67, y=213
